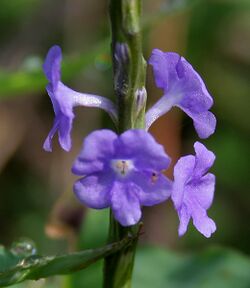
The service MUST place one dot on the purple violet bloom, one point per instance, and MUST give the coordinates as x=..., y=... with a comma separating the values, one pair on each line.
x=121, y=172
x=65, y=99
x=184, y=88
x=193, y=190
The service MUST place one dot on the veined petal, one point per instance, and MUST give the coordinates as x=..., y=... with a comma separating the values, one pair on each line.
x=203, y=190
x=47, y=145
x=94, y=190
x=202, y=222
x=86, y=167
x=98, y=147
x=64, y=131
x=183, y=171
x=193, y=191
x=204, y=123
x=56, y=106
x=195, y=96
x=125, y=204
x=179, y=80
x=151, y=188
x=204, y=159
x=184, y=88
x=184, y=217
x=131, y=162
x=65, y=99
x=164, y=67
x=142, y=148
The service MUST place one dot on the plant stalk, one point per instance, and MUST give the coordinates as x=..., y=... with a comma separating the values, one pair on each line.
x=129, y=68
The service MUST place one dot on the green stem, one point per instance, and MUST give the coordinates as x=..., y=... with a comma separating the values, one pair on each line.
x=129, y=73
x=118, y=268
x=129, y=82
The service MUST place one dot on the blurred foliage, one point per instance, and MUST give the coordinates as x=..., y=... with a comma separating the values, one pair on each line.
x=13, y=12
x=93, y=234
x=214, y=267
x=30, y=77
x=221, y=51
x=219, y=48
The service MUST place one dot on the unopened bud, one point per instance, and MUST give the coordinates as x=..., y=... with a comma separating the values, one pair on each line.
x=141, y=98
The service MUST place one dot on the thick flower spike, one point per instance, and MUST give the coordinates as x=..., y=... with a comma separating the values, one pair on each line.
x=193, y=190
x=184, y=88
x=121, y=172
x=65, y=99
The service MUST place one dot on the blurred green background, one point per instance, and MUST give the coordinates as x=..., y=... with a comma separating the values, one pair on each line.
x=36, y=198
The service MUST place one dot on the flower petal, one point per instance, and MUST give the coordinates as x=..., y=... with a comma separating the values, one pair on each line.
x=184, y=88
x=204, y=159
x=62, y=124
x=52, y=65
x=142, y=147
x=125, y=204
x=94, y=190
x=65, y=99
x=179, y=80
x=151, y=189
x=204, y=123
x=203, y=190
x=161, y=107
x=86, y=167
x=69, y=98
x=64, y=131
x=98, y=147
x=164, y=66
x=47, y=145
x=202, y=222
x=193, y=191
x=183, y=171
x=195, y=96
x=184, y=217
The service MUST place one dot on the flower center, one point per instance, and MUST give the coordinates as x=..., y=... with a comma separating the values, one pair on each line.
x=122, y=167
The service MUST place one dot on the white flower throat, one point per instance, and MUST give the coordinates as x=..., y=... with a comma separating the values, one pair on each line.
x=122, y=166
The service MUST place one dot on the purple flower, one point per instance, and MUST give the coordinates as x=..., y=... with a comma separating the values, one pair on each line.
x=121, y=172
x=65, y=99
x=184, y=88
x=193, y=190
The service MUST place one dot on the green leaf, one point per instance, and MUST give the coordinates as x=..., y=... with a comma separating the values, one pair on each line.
x=15, y=267
x=214, y=267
